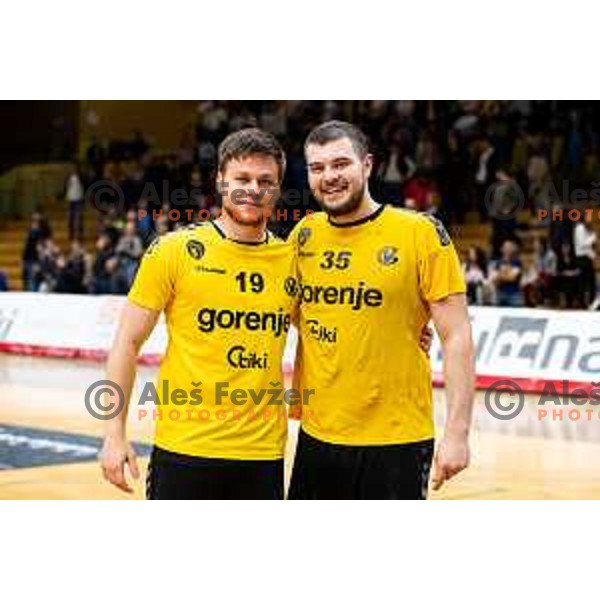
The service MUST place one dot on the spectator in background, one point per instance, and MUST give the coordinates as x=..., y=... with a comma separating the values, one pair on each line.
x=503, y=201
x=128, y=251
x=455, y=172
x=214, y=117
x=207, y=157
x=274, y=118
x=574, y=148
x=185, y=156
x=468, y=121
x=163, y=225
x=538, y=280
x=46, y=268
x=3, y=282
x=547, y=267
x=519, y=154
x=105, y=265
x=506, y=276
x=73, y=271
x=485, y=172
x=584, y=238
x=567, y=277
x=332, y=110
x=427, y=155
x=556, y=147
x=591, y=166
x=561, y=230
x=74, y=194
x=530, y=283
x=375, y=118
x=132, y=183
x=475, y=272
x=112, y=225
x=244, y=117
x=394, y=171
x=296, y=175
x=96, y=157
x=138, y=146
x=538, y=175
x=145, y=224
x=39, y=231
x=421, y=192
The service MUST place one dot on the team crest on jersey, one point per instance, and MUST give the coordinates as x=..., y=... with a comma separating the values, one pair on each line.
x=304, y=235
x=442, y=234
x=388, y=255
x=195, y=249
x=291, y=286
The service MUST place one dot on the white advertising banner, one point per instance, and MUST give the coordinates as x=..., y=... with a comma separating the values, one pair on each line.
x=65, y=324
x=529, y=344
x=533, y=344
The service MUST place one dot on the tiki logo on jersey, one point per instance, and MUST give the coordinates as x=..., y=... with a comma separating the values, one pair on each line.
x=320, y=332
x=440, y=230
x=195, y=249
x=388, y=255
x=304, y=235
x=239, y=358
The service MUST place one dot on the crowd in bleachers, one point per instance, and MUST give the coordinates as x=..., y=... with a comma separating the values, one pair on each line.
x=561, y=278
x=439, y=157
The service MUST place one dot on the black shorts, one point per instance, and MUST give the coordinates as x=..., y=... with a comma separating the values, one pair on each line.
x=324, y=471
x=173, y=476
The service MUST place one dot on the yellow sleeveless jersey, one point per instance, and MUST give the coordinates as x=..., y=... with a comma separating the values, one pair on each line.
x=365, y=291
x=227, y=315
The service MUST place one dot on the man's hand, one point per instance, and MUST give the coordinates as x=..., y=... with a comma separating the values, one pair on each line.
x=135, y=326
x=426, y=339
x=451, y=457
x=116, y=452
x=451, y=320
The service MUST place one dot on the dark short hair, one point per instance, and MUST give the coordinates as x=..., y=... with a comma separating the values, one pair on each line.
x=247, y=142
x=331, y=131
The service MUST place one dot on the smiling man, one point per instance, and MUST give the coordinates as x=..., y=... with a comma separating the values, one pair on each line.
x=221, y=288
x=370, y=278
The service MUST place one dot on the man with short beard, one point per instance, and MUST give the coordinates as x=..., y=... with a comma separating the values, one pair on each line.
x=221, y=287
x=370, y=278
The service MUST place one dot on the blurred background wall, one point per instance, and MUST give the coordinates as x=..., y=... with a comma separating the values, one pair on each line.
x=161, y=120
x=37, y=131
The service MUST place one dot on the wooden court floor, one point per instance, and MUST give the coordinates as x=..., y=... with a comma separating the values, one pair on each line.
x=44, y=424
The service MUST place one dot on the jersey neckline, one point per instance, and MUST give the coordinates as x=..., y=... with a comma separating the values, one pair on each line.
x=242, y=243
x=358, y=222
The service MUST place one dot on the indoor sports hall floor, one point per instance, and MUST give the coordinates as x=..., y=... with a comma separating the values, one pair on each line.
x=48, y=442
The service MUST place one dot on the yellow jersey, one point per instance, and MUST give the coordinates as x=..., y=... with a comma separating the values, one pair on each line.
x=365, y=290
x=227, y=312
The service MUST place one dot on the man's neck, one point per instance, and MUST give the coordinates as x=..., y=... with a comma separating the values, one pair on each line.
x=366, y=208
x=242, y=233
